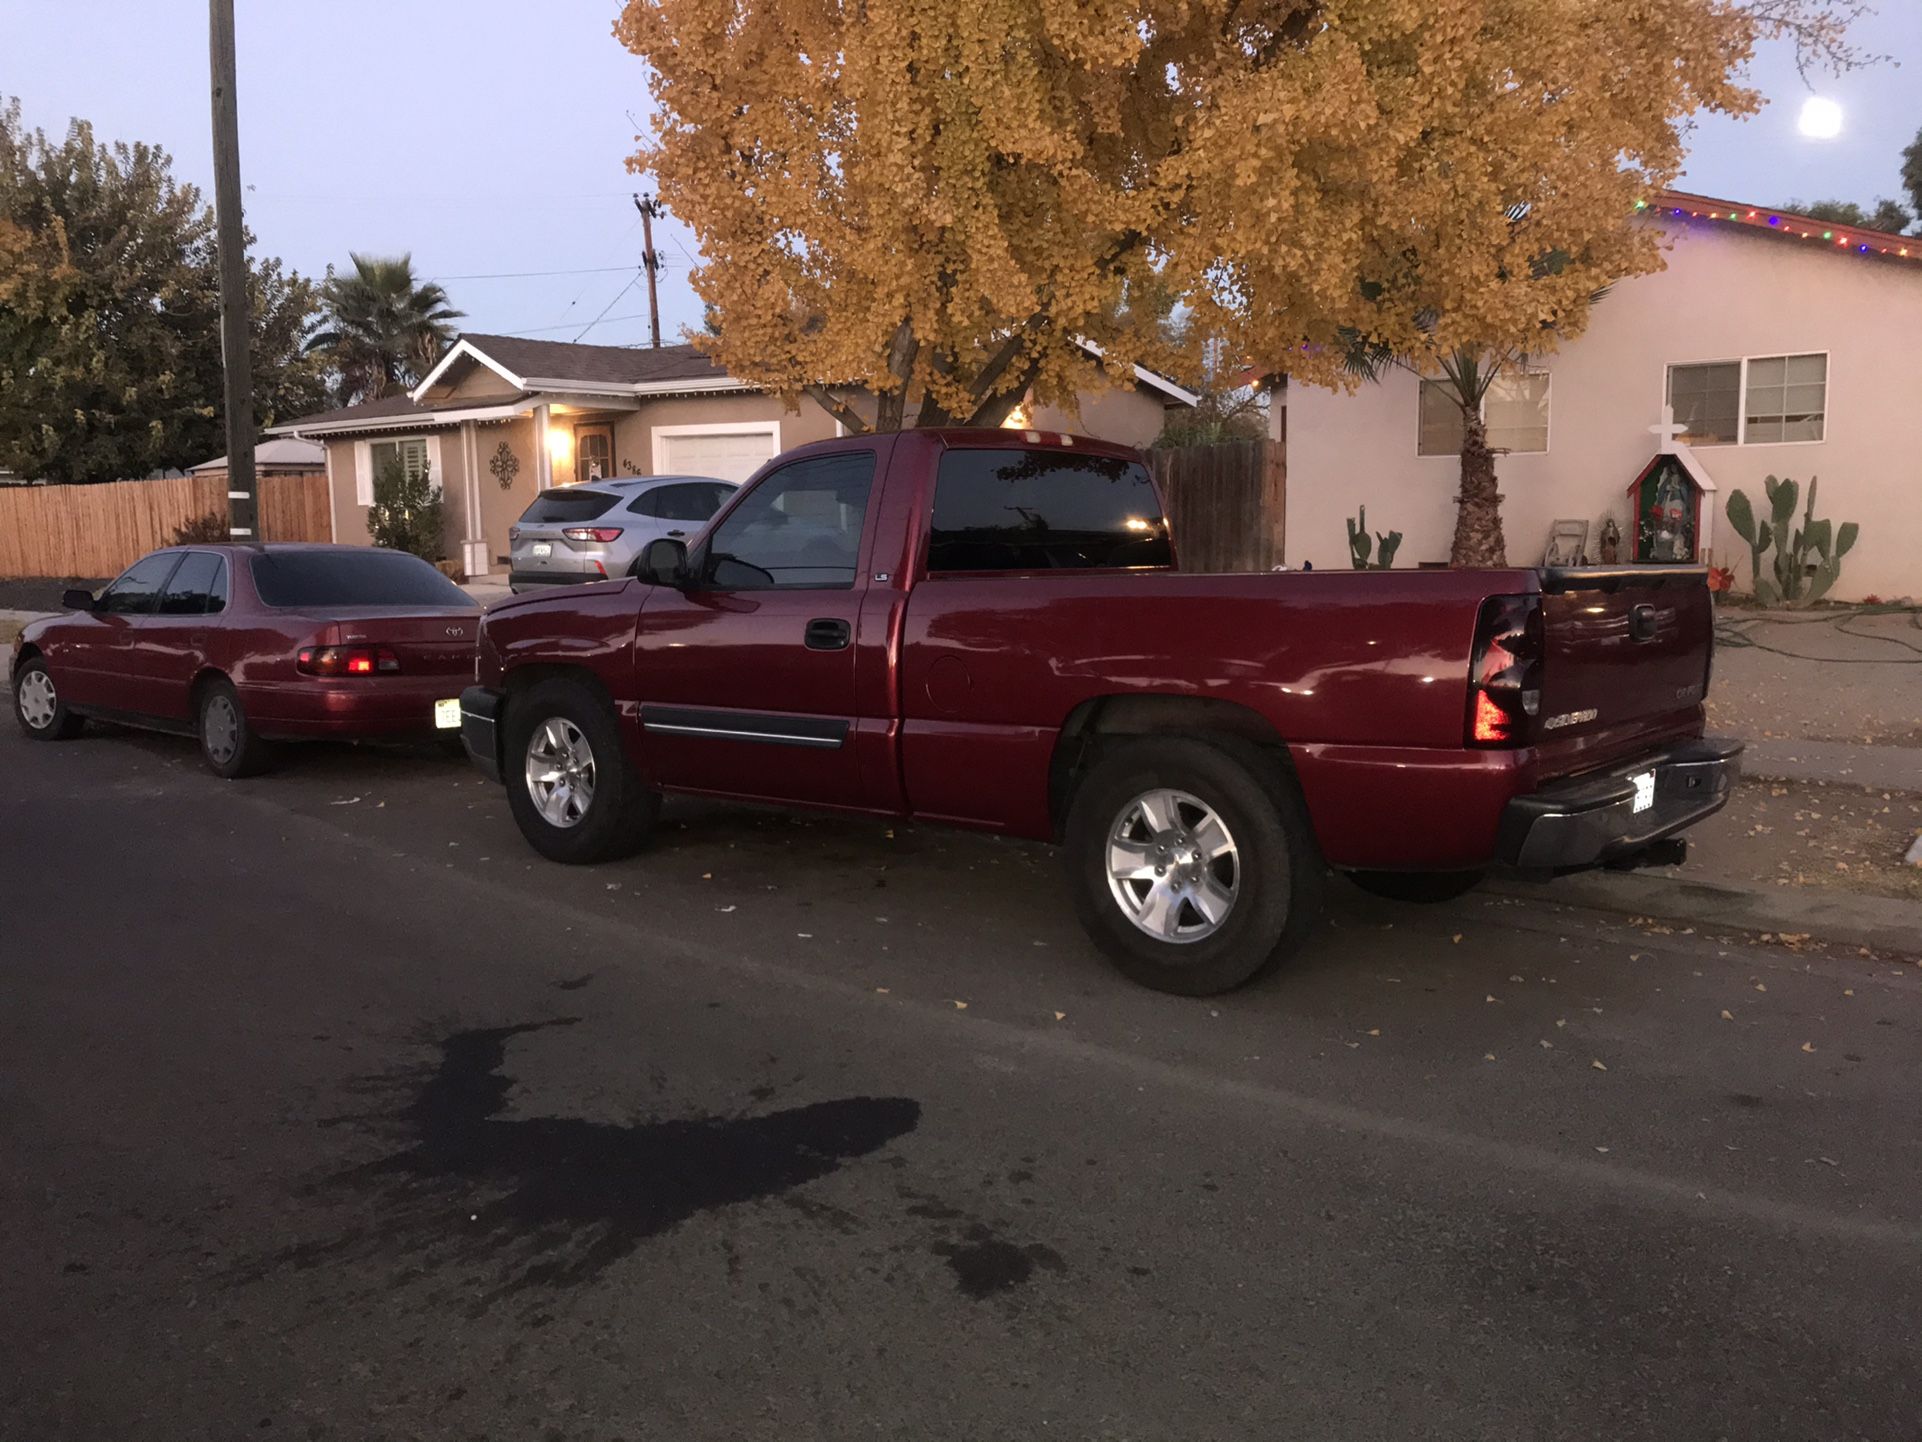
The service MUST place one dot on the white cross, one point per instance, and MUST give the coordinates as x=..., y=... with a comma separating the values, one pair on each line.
x=1668, y=432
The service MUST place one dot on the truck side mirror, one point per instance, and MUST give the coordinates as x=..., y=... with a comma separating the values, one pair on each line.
x=663, y=562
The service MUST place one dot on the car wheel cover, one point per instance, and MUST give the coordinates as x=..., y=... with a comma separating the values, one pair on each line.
x=38, y=702
x=220, y=730
x=560, y=772
x=1172, y=866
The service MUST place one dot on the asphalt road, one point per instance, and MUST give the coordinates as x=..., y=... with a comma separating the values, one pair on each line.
x=329, y=1111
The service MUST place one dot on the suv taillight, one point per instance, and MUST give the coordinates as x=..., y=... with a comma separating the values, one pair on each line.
x=347, y=660
x=1505, y=671
x=592, y=533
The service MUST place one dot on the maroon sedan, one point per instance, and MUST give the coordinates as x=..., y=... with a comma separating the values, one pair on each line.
x=244, y=646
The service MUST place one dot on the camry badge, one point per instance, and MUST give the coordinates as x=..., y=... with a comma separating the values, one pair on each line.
x=457, y=630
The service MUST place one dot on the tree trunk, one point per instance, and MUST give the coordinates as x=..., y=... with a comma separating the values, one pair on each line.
x=1478, y=519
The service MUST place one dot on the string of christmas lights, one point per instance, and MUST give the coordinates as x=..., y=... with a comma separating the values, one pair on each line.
x=1784, y=223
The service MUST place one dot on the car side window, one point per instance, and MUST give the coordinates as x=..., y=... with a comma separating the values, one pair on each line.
x=799, y=528
x=694, y=501
x=134, y=593
x=197, y=588
x=1012, y=510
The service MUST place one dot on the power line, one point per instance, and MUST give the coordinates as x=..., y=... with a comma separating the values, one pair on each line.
x=528, y=274
x=609, y=306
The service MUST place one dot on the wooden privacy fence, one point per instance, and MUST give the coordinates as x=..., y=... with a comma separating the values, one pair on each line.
x=94, y=531
x=1224, y=503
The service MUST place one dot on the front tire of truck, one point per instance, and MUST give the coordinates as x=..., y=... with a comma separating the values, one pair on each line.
x=573, y=792
x=1193, y=864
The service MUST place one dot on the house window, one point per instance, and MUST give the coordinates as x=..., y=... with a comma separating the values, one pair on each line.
x=1759, y=401
x=1514, y=413
x=1787, y=399
x=411, y=453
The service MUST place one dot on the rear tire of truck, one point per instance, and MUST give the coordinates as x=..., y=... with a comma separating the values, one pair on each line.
x=573, y=792
x=1193, y=864
x=1421, y=887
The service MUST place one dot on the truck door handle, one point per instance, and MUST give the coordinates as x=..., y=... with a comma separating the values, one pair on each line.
x=677, y=534
x=828, y=634
x=1641, y=622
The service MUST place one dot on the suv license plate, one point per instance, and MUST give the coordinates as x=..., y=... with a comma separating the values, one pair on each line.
x=540, y=549
x=447, y=715
x=1644, y=791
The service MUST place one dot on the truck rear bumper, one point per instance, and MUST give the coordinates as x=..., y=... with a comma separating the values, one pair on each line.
x=1590, y=820
x=480, y=709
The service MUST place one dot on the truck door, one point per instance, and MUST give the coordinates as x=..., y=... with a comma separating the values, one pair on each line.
x=747, y=676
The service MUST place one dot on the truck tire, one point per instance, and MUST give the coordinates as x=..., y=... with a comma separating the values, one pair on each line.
x=1192, y=863
x=1421, y=887
x=573, y=792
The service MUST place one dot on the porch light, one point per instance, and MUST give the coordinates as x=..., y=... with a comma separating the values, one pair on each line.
x=560, y=447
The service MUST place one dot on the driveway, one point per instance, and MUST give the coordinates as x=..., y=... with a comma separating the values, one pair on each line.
x=332, y=1112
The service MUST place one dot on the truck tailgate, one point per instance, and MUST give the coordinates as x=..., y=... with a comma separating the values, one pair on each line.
x=1623, y=644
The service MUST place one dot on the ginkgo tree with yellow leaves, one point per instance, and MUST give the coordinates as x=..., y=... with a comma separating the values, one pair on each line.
x=919, y=212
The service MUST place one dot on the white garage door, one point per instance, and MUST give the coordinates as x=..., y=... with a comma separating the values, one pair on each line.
x=730, y=455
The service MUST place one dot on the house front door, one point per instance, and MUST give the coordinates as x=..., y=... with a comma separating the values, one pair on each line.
x=593, y=451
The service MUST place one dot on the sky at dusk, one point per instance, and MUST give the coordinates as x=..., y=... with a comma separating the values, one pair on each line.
x=488, y=138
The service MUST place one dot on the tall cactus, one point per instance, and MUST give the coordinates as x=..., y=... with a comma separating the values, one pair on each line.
x=1815, y=543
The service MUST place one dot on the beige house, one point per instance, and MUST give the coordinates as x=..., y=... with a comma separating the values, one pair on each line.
x=1783, y=346
x=501, y=418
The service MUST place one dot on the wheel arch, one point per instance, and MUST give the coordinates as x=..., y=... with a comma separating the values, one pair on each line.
x=203, y=678
x=1134, y=714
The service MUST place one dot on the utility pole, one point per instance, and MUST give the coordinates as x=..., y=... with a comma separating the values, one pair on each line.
x=230, y=235
x=650, y=208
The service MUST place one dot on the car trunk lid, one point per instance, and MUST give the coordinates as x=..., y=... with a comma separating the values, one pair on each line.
x=429, y=640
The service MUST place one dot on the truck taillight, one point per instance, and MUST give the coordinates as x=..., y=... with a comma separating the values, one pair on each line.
x=346, y=660
x=592, y=533
x=1505, y=671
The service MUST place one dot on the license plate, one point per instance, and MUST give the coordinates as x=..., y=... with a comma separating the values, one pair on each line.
x=447, y=715
x=541, y=548
x=1644, y=791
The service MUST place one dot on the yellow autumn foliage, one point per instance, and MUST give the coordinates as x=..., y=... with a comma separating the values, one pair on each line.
x=931, y=199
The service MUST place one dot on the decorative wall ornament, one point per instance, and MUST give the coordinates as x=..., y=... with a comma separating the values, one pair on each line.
x=505, y=466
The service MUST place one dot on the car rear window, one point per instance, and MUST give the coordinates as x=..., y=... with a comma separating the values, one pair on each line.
x=352, y=578
x=567, y=503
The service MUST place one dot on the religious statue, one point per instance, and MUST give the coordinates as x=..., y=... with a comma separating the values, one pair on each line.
x=1611, y=542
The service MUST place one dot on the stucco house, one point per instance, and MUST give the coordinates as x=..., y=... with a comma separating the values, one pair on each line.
x=500, y=418
x=1783, y=346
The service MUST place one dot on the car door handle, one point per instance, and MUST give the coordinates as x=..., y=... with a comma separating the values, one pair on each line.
x=826, y=634
x=677, y=534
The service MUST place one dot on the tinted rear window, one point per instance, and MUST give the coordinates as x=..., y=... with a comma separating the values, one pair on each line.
x=352, y=578
x=566, y=504
x=1008, y=510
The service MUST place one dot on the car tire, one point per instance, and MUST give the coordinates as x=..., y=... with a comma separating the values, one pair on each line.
x=37, y=705
x=1273, y=872
x=1423, y=888
x=566, y=731
x=229, y=745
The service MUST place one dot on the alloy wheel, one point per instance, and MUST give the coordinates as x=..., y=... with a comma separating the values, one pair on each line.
x=1172, y=866
x=560, y=772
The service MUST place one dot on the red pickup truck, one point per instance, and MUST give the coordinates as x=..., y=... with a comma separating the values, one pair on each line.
x=989, y=628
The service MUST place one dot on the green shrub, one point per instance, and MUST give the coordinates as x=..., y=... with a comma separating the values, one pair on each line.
x=207, y=530
x=406, y=514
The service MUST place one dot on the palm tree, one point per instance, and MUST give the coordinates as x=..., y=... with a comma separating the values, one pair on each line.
x=1467, y=373
x=380, y=329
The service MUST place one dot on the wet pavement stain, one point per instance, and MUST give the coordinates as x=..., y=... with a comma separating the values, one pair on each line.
x=553, y=1201
x=985, y=1264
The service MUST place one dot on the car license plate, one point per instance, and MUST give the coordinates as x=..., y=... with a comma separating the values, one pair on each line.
x=447, y=715
x=541, y=548
x=1644, y=791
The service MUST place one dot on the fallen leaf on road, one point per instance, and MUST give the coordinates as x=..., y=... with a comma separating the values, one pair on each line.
x=1848, y=991
x=882, y=989
x=1727, y=1015
x=707, y=876
x=348, y=802
x=1603, y=1150
x=1488, y=1056
x=1548, y=1045
x=1760, y=987
x=960, y=1006
x=1457, y=938
x=1598, y=1066
x=1808, y=1046
x=1561, y=1021
x=1374, y=1031
x=805, y=935
x=1061, y=1016
x=724, y=910
x=1496, y=999
x=1516, y=979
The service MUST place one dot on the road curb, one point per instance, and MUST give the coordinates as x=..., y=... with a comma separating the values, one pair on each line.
x=1878, y=922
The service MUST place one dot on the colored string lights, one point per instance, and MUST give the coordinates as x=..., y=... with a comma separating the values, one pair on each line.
x=1784, y=223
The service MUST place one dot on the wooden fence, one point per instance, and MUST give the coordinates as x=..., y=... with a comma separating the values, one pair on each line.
x=100, y=530
x=1224, y=503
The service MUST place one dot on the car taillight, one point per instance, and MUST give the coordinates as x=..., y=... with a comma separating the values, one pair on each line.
x=346, y=660
x=592, y=533
x=1505, y=671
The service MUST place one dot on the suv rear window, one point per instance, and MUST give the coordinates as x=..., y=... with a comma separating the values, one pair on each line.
x=352, y=578
x=566, y=504
x=1011, y=510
